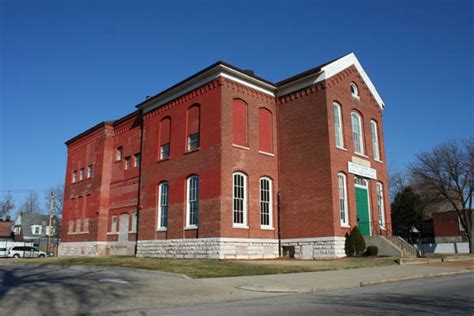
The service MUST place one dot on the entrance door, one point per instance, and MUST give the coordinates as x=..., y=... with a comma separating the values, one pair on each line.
x=124, y=224
x=362, y=204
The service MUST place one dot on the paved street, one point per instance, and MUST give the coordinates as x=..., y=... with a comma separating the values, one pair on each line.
x=445, y=295
x=55, y=290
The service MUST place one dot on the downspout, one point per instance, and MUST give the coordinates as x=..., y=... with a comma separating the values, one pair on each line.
x=278, y=174
x=139, y=182
x=279, y=225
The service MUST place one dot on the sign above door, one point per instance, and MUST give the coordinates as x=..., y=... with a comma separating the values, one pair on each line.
x=361, y=170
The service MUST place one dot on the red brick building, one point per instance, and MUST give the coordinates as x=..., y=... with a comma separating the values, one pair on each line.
x=228, y=165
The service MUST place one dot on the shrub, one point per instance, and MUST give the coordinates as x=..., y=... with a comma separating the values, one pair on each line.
x=348, y=246
x=372, y=251
x=357, y=241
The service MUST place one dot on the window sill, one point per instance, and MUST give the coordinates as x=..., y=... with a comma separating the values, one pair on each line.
x=110, y=233
x=266, y=153
x=362, y=155
x=163, y=160
x=162, y=229
x=191, y=151
x=132, y=232
x=241, y=147
x=267, y=228
x=382, y=227
x=240, y=226
x=194, y=227
x=78, y=233
x=379, y=161
x=341, y=148
x=355, y=97
x=345, y=226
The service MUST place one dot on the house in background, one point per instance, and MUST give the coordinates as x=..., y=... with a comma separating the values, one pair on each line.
x=6, y=228
x=35, y=228
x=448, y=235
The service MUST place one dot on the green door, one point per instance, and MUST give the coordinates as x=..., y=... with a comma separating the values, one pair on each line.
x=362, y=204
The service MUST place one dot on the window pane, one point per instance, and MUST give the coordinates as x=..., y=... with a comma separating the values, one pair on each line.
x=239, y=199
x=193, y=142
x=265, y=202
x=375, y=140
x=193, y=200
x=165, y=151
x=357, y=133
x=338, y=125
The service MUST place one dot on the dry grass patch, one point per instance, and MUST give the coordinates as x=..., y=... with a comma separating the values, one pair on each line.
x=209, y=268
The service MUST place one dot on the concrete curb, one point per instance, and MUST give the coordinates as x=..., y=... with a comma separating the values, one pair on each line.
x=415, y=277
x=455, y=259
x=410, y=261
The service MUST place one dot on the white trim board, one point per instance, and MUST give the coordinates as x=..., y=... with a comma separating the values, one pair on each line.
x=327, y=72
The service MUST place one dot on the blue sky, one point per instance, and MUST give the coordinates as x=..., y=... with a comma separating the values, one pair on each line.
x=67, y=65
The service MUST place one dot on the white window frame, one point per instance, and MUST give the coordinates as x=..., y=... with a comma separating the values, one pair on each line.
x=118, y=153
x=380, y=204
x=163, y=201
x=343, y=191
x=355, y=91
x=34, y=228
x=74, y=176
x=162, y=157
x=357, y=136
x=89, y=171
x=269, y=203
x=338, y=128
x=375, y=139
x=190, y=225
x=81, y=174
x=113, y=224
x=136, y=160
x=193, y=139
x=128, y=162
x=243, y=198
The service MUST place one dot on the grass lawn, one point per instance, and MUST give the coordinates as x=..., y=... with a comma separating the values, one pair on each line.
x=207, y=268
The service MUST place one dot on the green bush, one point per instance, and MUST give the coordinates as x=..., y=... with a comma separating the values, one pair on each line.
x=372, y=251
x=348, y=246
x=357, y=241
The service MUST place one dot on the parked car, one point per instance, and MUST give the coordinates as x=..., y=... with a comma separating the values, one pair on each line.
x=25, y=252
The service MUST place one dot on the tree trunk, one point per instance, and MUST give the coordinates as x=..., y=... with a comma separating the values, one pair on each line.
x=471, y=243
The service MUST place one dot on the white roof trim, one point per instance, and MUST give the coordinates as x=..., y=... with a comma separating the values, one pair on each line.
x=208, y=76
x=330, y=70
x=229, y=73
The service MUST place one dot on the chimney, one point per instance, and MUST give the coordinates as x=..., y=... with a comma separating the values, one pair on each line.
x=249, y=72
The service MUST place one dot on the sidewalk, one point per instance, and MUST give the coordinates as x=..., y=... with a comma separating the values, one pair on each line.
x=188, y=292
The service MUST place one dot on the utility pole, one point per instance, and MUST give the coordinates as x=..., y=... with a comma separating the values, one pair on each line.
x=52, y=197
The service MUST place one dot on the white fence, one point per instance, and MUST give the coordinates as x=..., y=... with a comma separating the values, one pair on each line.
x=444, y=247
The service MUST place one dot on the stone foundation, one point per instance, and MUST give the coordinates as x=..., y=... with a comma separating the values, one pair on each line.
x=316, y=248
x=96, y=248
x=212, y=248
x=215, y=248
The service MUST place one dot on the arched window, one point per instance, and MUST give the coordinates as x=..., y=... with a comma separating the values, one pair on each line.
x=380, y=204
x=239, y=122
x=354, y=90
x=338, y=125
x=192, y=202
x=343, y=208
x=193, y=117
x=165, y=137
x=163, y=189
x=239, y=199
x=375, y=139
x=266, y=203
x=357, y=133
x=265, y=142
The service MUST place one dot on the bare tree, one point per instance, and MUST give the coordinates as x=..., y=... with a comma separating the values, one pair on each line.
x=444, y=178
x=397, y=182
x=6, y=205
x=30, y=204
x=58, y=192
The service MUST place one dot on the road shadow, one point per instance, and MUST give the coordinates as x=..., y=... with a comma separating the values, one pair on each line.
x=47, y=290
